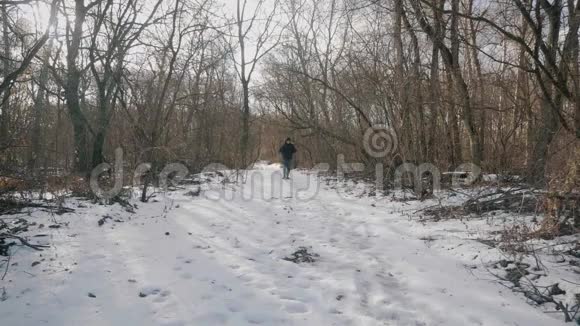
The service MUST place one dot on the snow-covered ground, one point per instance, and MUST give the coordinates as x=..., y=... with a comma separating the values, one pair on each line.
x=217, y=259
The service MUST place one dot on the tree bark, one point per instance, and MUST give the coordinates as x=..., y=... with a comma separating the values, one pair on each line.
x=551, y=101
x=6, y=66
x=71, y=92
x=38, y=108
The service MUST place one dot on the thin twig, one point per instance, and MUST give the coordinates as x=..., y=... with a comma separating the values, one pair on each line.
x=23, y=241
x=7, y=264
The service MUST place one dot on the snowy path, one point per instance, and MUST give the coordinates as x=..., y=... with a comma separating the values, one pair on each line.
x=221, y=264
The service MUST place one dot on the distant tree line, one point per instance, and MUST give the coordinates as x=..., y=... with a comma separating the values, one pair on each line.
x=493, y=83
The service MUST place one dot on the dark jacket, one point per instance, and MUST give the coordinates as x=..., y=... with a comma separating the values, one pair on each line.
x=287, y=151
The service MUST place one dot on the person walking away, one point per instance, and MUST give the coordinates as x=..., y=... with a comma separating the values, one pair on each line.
x=287, y=151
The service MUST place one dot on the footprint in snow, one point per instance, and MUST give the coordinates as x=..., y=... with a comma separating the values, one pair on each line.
x=149, y=291
x=174, y=323
x=186, y=276
x=256, y=318
x=206, y=297
x=246, y=278
x=262, y=286
x=202, y=247
x=303, y=284
x=212, y=318
x=234, y=306
x=296, y=308
x=335, y=311
x=314, y=278
x=159, y=299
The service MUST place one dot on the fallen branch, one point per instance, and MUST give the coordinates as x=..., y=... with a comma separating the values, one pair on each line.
x=6, y=269
x=22, y=241
x=10, y=207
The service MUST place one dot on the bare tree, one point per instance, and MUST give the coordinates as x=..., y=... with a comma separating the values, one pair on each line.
x=257, y=34
x=13, y=72
x=107, y=58
x=450, y=56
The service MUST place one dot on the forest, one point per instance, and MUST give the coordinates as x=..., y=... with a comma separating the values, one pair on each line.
x=485, y=89
x=494, y=84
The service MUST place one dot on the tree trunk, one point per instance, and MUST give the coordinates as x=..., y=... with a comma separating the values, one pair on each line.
x=245, y=137
x=6, y=65
x=434, y=105
x=38, y=107
x=106, y=104
x=551, y=103
x=402, y=83
x=455, y=147
x=71, y=90
x=542, y=139
x=435, y=85
x=421, y=144
x=478, y=79
x=462, y=90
